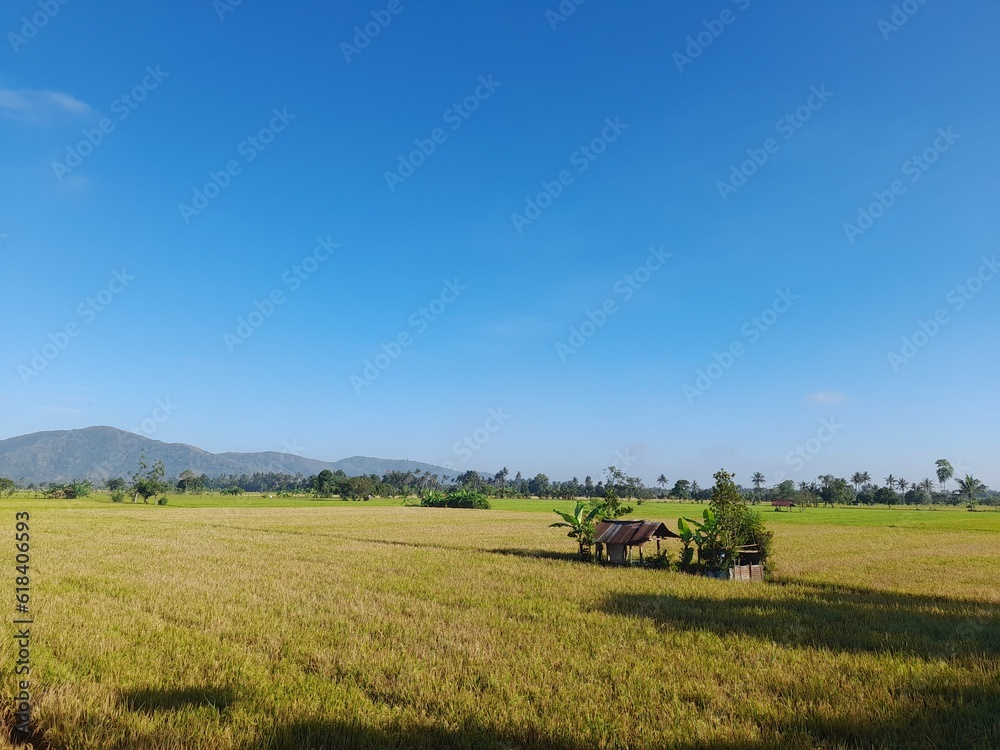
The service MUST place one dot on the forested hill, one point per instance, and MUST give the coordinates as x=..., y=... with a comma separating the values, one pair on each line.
x=97, y=453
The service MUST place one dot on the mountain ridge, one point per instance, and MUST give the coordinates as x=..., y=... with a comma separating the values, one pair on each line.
x=100, y=452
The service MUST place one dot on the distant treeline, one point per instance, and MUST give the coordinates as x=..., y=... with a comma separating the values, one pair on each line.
x=826, y=490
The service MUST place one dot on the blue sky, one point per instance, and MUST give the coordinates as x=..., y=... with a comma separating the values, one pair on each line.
x=673, y=237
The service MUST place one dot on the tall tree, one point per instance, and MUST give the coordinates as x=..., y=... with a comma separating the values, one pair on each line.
x=357, y=488
x=615, y=478
x=890, y=482
x=147, y=480
x=539, y=485
x=470, y=480
x=325, y=484
x=857, y=479
x=836, y=491
x=970, y=488
x=885, y=495
x=945, y=471
x=501, y=479
x=758, y=480
x=662, y=481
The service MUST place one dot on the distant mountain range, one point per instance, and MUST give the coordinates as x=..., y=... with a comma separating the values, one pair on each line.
x=98, y=453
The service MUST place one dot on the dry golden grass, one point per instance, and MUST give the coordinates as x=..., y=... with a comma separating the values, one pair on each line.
x=376, y=627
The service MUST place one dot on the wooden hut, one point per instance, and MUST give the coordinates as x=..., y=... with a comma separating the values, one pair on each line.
x=618, y=538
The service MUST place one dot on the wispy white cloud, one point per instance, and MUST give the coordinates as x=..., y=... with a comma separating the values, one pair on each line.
x=826, y=397
x=40, y=107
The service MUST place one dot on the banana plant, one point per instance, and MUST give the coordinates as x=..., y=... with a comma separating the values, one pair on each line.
x=700, y=532
x=687, y=536
x=581, y=525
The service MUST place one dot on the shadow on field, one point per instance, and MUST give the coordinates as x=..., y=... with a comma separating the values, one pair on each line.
x=327, y=735
x=839, y=618
x=544, y=554
x=942, y=716
x=148, y=701
x=958, y=713
x=514, y=552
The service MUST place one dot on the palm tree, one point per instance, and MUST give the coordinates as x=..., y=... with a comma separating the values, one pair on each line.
x=902, y=484
x=969, y=488
x=501, y=479
x=857, y=479
x=890, y=482
x=695, y=489
x=758, y=479
x=662, y=481
x=945, y=471
x=926, y=487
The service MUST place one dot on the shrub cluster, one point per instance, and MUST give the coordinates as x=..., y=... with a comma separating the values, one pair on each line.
x=457, y=499
x=728, y=525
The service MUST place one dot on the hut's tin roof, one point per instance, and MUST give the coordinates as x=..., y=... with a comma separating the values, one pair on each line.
x=630, y=533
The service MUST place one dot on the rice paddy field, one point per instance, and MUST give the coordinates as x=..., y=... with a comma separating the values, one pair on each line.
x=264, y=623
